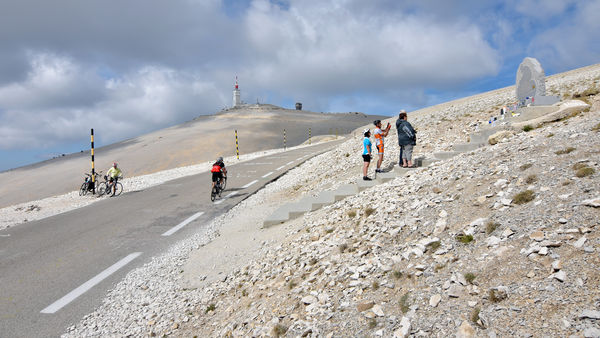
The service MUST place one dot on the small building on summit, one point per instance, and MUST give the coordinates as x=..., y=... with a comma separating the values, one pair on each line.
x=237, y=101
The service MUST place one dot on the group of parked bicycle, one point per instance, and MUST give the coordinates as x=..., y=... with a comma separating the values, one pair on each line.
x=112, y=187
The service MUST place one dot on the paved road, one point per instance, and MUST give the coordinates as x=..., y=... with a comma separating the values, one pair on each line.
x=56, y=270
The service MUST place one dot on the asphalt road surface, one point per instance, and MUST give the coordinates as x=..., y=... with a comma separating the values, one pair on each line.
x=56, y=270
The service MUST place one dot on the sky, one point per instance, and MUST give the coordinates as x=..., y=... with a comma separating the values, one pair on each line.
x=126, y=68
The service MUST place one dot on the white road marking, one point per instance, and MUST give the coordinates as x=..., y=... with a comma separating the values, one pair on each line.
x=290, y=162
x=184, y=223
x=219, y=202
x=83, y=288
x=267, y=174
x=257, y=163
x=280, y=167
x=249, y=184
x=5, y=235
x=231, y=194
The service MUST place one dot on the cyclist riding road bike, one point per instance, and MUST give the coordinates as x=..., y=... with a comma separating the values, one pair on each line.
x=218, y=172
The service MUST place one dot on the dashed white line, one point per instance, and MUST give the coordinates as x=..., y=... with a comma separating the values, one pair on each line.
x=280, y=167
x=290, y=162
x=69, y=297
x=226, y=197
x=184, y=223
x=249, y=184
x=267, y=174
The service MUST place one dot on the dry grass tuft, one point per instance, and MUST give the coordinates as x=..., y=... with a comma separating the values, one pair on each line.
x=524, y=197
x=565, y=151
x=584, y=172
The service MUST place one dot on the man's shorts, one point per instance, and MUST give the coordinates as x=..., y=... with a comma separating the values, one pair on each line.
x=367, y=158
x=380, y=148
x=217, y=176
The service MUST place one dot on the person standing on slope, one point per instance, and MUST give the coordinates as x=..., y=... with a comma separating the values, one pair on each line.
x=407, y=139
x=367, y=147
x=379, y=137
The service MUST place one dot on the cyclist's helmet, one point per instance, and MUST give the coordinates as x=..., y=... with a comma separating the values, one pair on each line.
x=114, y=164
x=220, y=159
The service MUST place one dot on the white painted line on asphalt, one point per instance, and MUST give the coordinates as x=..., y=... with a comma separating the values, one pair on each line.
x=184, y=223
x=219, y=202
x=290, y=162
x=231, y=194
x=71, y=296
x=249, y=184
x=280, y=167
x=267, y=174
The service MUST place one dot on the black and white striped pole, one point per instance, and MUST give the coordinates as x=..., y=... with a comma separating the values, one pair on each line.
x=93, y=167
x=237, y=148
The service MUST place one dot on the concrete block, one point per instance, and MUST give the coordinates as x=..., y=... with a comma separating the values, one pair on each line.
x=364, y=185
x=426, y=162
x=324, y=198
x=279, y=216
x=299, y=208
x=444, y=155
x=385, y=177
x=464, y=147
x=345, y=191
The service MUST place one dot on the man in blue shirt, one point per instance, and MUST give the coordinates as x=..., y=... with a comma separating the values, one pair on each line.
x=366, y=153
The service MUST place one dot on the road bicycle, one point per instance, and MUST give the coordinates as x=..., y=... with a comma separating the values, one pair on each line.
x=88, y=185
x=106, y=187
x=218, y=189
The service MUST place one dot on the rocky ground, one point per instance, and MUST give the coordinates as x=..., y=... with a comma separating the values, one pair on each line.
x=501, y=241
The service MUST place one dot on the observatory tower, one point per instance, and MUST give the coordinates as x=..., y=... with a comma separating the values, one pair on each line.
x=236, y=95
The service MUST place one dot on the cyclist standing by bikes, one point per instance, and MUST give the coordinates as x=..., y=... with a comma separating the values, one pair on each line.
x=114, y=173
x=218, y=171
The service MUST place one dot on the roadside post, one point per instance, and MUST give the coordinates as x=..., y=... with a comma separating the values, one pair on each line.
x=93, y=168
x=237, y=148
x=284, y=140
x=309, y=132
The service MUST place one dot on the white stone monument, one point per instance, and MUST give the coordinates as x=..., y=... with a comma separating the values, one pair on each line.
x=236, y=95
x=531, y=84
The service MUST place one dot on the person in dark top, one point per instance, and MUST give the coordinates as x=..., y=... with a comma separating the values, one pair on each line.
x=218, y=170
x=407, y=139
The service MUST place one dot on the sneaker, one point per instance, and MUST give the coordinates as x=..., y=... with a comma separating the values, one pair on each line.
x=378, y=170
x=366, y=178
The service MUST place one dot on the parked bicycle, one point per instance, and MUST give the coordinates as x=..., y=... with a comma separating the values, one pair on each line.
x=218, y=188
x=107, y=187
x=89, y=185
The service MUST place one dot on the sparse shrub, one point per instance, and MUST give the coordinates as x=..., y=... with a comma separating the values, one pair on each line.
x=347, y=155
x=496, y=296
x=312, y=261
x=397, y=274
x=343, y=247
x=550, y=135
x=566, y=182
x=434, y=245
x=352, y=213
x=209, y=308
x=491, y=227
x=439, y=267
x=375, y=285
x=531, y=179
x=330, y=230
x=579, y=165
x=369, y=211
x=244, y=293
x=564, y=151
x=465, y=239
x=372, y=323
x=279, y=330
x=292, y=284
x=475, y=315
x=470, y=277
x=404, y=304
x=596, y=127
x=583, y=172
x=525, y=166
x=527, y=128
x=524, y=197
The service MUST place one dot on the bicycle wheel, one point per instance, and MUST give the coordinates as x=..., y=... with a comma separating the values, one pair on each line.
x=224, y=184
x=101, y=190
x=118, y=189
x=219, y=190
x=213, y=194
x=83, y=189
